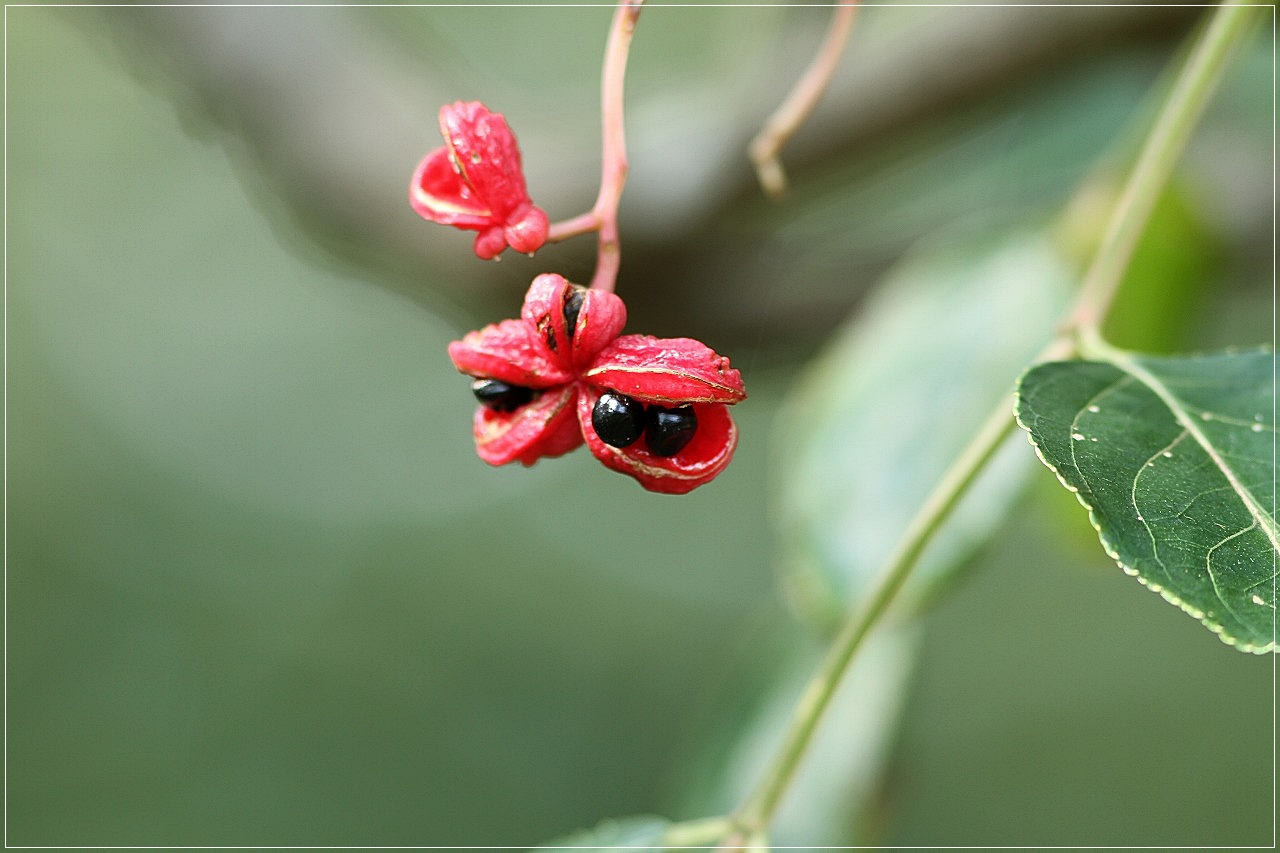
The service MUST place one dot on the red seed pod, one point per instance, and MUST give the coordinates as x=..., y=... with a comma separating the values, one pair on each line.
x=598, y=317
x=700, y=461
x=547, y=426
x=509, y=351
x=566, y=351
x=669, y=371
x=476, y=182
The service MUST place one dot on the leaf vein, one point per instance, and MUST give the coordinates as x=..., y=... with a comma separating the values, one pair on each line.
x=1137, y=510
x=1178, y=408
x=1213, y=576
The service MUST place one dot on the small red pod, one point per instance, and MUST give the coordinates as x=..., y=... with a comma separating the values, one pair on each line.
x=476, y=182
x=540, y=378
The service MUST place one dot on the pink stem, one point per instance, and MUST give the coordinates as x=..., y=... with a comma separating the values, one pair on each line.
x=583, y=223
x=800, y=102
x=613, y=170
x=603, y=216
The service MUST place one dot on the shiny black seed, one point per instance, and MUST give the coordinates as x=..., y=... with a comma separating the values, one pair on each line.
x=500, y=396
x=618, y=419
x=572, y=307
x=669, y=430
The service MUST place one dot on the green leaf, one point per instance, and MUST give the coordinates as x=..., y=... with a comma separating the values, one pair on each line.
x=641, y=832
x=876, y=421
x=1174, y=459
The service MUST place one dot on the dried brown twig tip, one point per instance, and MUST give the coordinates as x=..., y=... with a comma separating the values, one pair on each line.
x=799, y=103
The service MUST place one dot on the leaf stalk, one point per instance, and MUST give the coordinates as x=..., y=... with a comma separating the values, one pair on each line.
x=1160, y=154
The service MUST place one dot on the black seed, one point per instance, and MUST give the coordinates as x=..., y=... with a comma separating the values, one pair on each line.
x=500, y=396
x=669, y=430
x=618, y=419
x=572, y=307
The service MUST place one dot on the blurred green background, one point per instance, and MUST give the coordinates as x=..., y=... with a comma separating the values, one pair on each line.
x=261, y=592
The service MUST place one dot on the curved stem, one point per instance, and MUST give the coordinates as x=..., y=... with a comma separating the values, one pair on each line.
x=603, y=216
x=583, y=223
x=613, y=170
x=800, y=102
x=758, y=809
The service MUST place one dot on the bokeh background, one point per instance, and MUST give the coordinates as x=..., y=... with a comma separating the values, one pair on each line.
x=261, y=592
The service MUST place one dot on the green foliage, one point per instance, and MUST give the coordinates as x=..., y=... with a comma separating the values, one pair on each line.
x=1174, y=459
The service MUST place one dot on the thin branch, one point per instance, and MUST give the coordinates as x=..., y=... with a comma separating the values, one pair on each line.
x=583, y=223
x=800, y=102
x=756, y=813
x=613, y=170
x=603, y=216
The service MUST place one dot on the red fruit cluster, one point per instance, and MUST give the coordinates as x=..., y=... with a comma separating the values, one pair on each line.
x=653, y=408
x=565, y=350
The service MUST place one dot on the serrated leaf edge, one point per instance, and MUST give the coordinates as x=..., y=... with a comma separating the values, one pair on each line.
x=1110, y=549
